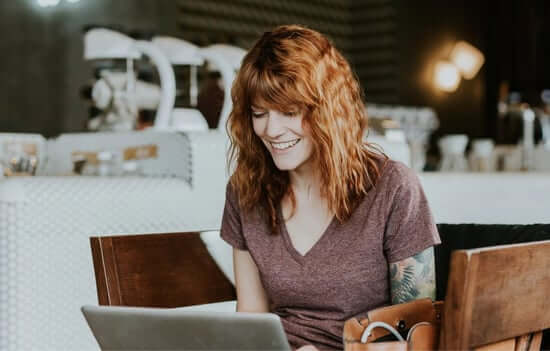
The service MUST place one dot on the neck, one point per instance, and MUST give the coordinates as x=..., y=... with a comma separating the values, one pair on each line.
x=305, y=180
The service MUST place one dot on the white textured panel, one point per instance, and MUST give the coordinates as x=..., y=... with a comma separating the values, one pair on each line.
x=46, y=270
x=8, y=275
x=221, y=252
x=226, y=306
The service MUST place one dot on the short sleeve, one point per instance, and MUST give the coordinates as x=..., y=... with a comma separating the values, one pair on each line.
x=410, y=227
x=231, y=228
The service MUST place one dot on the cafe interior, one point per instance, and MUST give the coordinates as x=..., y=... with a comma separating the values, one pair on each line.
x=113, y=139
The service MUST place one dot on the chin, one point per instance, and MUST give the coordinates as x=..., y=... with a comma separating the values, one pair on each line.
x=289, y=164
x=286, y=166
x=291, y=161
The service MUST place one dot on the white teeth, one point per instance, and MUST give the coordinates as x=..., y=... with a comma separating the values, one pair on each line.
x=282, y=146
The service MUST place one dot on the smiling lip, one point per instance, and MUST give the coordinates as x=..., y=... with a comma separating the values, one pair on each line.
x=282, y=147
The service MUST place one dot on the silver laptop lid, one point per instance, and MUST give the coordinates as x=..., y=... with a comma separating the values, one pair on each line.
x=132, y=328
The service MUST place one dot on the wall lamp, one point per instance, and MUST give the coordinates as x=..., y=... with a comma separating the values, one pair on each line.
x=52, y=3
x=464, y=61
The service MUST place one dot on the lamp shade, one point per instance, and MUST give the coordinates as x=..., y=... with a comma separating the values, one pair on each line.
x=229, y=53
x=446, y=76
x=47, y=3
x=102, y=43
x=467, y=58
x=179, y=51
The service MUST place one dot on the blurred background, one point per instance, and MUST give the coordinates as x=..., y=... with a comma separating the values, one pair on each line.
x=394, y=47
x=113, y=116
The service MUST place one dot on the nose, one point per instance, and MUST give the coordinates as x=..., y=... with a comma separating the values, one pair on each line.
x=274, y=126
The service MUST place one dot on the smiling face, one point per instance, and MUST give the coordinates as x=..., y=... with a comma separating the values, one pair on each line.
x=284, y=136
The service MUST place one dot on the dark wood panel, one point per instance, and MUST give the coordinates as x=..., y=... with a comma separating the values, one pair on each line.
x=374, y=32
x=257, y=11
x=158, y=270
x=242, y=22
x=495, y=294
x=387, y=40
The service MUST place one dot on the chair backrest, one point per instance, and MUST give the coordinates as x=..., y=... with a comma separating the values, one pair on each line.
x=466, y=236
x=157, y=270
x=496, y=293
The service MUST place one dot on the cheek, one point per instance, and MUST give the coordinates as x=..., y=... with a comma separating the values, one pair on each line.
x=258, y=124
x=308, y=146
x=304, y=128
x=308, y=139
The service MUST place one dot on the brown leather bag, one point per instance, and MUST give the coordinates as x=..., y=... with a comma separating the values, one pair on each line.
x=418, y=324
x=415, y=325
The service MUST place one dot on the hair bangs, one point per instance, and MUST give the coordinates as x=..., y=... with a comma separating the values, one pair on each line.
x=271, y=91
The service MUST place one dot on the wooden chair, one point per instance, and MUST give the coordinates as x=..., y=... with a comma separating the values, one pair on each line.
x=497, y=294
x=157, y=270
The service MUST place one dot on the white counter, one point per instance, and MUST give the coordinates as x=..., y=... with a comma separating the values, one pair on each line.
x=491, y=198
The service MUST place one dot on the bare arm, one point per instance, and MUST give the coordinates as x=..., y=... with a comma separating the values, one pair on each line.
x=413, y=277
x=251, y=296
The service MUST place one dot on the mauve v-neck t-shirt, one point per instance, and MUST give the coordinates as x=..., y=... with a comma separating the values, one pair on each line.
x=345, y=273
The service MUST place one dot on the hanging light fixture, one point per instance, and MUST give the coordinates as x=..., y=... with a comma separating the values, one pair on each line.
x=447, y=76
x=464, y=62
x=53, y=3
x=47, y=3
x=467, y=58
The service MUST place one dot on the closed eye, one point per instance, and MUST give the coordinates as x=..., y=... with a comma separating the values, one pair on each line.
x=258, y=114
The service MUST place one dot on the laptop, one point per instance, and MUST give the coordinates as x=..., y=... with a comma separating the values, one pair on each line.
x=138, y=328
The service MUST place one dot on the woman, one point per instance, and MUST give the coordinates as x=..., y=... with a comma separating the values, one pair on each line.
x=324, y=227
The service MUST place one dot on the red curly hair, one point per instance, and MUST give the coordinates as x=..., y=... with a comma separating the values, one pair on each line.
x=289, y=69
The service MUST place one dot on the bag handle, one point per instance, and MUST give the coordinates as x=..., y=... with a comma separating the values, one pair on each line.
x=371, y=326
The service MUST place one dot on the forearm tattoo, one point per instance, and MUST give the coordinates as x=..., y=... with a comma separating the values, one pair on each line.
x=413, y=277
